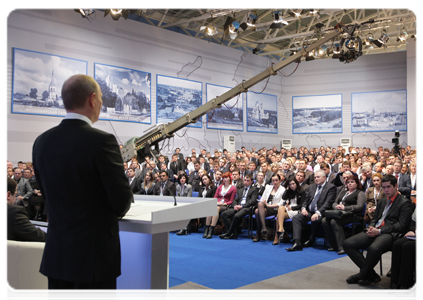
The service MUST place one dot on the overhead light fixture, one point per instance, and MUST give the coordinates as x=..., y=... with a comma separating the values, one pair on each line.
x=350, y=49
x=297, y=13
x=211, y=30
x=313, y=11
x=233, y=28
x=403, y=36
x=278, y=20
x=336, y=51
x=251, y=20
x=368, y=43
x=85, y=13
x=416, y=35
x=116, y=13
x=384, y=38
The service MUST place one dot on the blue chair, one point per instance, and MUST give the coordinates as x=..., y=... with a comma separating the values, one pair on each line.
x=194, y=194
x=187, y=171
x=358, y=219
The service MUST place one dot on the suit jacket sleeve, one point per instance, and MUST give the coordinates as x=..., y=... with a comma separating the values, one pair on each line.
x=22, y=229
x=405, y=188
x=109, y=163
x=330, y=198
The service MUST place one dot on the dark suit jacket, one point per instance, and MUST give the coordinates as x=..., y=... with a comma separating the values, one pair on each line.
x=83, y=234
x=331, y=179
x=398, y=217
x=404, y=185
x=326, y=198
x=169, y=188
x=135, y=185
x=251, y=199
x=19, y=228
x=210, y=192
x=309, y=177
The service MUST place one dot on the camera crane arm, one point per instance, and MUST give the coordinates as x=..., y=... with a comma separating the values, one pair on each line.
x=142, y=146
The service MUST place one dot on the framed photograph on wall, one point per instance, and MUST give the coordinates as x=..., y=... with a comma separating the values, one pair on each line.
x=262, y=112
x=37, y=81
x=317, y=114
x=230, y=115
x=126, y=94
x=379, y=111
x=176, y=97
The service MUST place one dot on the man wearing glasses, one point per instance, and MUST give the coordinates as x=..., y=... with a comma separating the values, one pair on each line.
x=165, y=187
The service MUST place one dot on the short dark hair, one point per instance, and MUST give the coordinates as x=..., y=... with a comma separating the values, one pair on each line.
x=76, y=89
x=390, y=178
x=11, y=185
x=183, y=175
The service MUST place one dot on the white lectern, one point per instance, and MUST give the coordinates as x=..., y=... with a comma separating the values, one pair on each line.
x=144, y=237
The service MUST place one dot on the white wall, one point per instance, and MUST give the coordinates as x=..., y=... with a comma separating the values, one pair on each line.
x=146, y=48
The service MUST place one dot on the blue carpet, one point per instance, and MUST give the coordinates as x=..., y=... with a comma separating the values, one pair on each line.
x=229, y=264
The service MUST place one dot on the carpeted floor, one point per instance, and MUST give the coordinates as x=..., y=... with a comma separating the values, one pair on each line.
x=197, y=263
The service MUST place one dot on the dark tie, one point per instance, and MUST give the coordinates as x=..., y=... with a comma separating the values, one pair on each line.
x=313, y=203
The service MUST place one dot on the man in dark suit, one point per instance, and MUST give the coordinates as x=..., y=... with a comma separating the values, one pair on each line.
x=236, y=179
x=19, y=228
x=204, y=164
x=134, y=182
x=320, y=197
x=245, y=199
x=366, y=177
x=165, y=187
x=252, y=170
x=392, y=216
x=82, y=247
x=175, y=165
x=309, y=175
x=404, y=180
x=194, y=178
x=300, y=176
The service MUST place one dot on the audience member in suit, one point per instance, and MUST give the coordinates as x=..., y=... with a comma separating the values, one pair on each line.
x=147, y=186
x=286, y=168
x=208, y=190
x=246, y=199
x=373, y=195
x=339, y=180
x=413, y=180
x=94, y=194
x=134, y=182
x=189, y=165
x=163, y=167
x=267, y=173
x=175, y=166
x=300, y=176
x=252, y=170
x=350, y=200
x=194, y=177
x=392, y=215
x=37, y=200
x=183, y=189
x=236, y=180
x=403, y=260
x=268, y=205
x=309, y=175
x=330, y=177
x=24, y=188
x=293, y=196
x=319, y=198
x=204, y=164
x=136, y=167
x=179, y=154
x=19, y=228
x=404, y=181
x=149, y=166
x=242, y=170
x=222, y=166
x=165, y=187
x=260, y=184
x=212, y=172
x=366, y=177
x=217, y=178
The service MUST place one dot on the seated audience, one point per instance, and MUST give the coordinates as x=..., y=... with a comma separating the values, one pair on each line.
x=165, y=187
x=19, y=228
x=268, y=205
x=403, y=260
x=147, y=186
x=293, y=196
x=373, y=195
x=208, y=190
x=246, y=199
x=351, y=200
x=320, y=197
x=392, y=216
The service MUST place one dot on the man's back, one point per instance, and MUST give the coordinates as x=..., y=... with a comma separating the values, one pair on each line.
x=84, y=206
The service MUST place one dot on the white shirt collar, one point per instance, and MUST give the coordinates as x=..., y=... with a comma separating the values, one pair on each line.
x=71, y=115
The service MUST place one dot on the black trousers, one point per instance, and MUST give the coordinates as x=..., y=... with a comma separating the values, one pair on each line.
x=375, y=246
x=403, y=264
x=298, y=222
x=232, y=218
x=65, y=290
x=334, y=231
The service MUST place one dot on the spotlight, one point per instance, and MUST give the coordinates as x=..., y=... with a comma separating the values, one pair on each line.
x=310, y=55
x=85, y=13
x=403, y=36
x=384, y=38
x=211, y=30
x=416, y=35
x=350, y=49
x=233, y=28
x=116, y=13
x=278, y=20
x=251, y=20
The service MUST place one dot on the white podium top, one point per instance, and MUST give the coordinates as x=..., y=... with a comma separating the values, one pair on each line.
x=156, y=214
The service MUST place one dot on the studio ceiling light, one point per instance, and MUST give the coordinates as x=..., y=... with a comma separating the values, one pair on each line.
x=85, y=13
x=403, y=36
x=116, y=13
x=278, y=20
x=384, y=38
x=251, y=20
